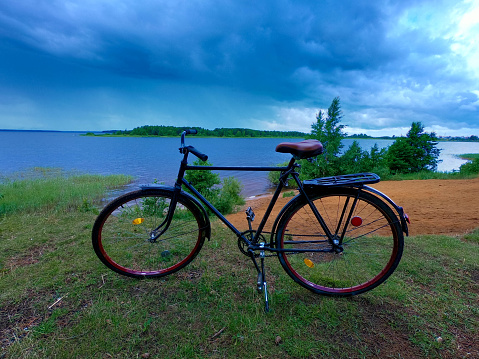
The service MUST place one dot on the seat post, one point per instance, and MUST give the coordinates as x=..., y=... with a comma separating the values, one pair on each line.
x=291, y=162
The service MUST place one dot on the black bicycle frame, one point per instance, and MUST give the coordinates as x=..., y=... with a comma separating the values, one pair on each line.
x=286, y=172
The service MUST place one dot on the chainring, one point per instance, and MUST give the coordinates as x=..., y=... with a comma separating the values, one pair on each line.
x=249, y=235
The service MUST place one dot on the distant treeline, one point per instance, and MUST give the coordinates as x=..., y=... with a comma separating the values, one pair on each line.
x=471, y=138
x=364, y=136
x=172, y=131
x=459, y=138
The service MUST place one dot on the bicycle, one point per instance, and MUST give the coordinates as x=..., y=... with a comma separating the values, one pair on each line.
x=336, y=237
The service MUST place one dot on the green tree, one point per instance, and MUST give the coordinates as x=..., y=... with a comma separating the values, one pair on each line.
x=353, y=160
x=356, y=160
x=414, y=153
x=329, y=131
x=376, y=161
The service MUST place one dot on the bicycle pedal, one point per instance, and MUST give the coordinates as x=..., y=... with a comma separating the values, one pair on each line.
x=250, y=214
x=259, y=282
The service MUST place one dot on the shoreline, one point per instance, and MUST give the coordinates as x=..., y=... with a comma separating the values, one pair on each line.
x=108, y=134
x=243, y=137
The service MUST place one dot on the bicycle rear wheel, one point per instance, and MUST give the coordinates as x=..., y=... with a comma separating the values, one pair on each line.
x=122, y=234
x=370, y=251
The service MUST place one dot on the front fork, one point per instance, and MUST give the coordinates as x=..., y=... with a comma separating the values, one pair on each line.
x=163, y=227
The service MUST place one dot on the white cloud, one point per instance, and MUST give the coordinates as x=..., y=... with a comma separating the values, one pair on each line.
x=271, y=65
x=391, y=131
x=290, y=119
x=466, y=42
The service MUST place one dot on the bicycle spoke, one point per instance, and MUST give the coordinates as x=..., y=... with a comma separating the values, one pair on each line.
x=125, y=242
x=366, y=256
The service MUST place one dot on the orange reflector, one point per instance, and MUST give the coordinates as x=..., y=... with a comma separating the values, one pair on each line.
x=308, y=262
x=356, y=221
x=138, y=220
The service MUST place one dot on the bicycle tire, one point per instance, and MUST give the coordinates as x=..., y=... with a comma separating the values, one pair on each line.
x=121, y=234
x=371, y=250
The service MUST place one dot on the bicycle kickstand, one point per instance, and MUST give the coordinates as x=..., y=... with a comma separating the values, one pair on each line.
x=261, y=282
x=263, y=275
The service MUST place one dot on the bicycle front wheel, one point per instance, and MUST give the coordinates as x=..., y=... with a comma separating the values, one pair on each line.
x=123, y=234
x=369, y=252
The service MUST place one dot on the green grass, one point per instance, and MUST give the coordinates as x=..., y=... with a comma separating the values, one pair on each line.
x=47, y=188
x=426, y=175
x=289, y=194
x=470, y=156
x=58, y=300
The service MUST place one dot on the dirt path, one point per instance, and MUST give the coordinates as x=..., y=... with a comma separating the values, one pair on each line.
x=434, y=206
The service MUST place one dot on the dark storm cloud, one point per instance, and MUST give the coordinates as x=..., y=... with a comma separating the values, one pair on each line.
x=270, y=53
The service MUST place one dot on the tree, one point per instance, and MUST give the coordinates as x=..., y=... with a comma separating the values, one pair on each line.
x=353, y=160
x=329, y=131
x=356, y=160
x=414, y=153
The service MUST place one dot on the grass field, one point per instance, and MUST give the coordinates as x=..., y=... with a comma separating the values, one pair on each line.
x=58, y=301
x=470, y=156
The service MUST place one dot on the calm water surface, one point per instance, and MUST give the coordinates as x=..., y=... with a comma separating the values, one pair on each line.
x=150, y=159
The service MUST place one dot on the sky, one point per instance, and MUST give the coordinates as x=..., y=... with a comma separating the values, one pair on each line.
x=270, y=65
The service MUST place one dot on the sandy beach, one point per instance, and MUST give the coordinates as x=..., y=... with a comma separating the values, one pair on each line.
x=433, y=206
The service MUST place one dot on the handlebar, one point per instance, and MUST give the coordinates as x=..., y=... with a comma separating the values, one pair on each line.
x=191, y=149
x=184, y=133
x=197, y=153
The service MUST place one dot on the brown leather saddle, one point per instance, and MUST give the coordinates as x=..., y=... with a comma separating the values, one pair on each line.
x=303, y=149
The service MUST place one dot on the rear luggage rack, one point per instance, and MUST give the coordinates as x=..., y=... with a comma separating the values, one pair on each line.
x=353, y=180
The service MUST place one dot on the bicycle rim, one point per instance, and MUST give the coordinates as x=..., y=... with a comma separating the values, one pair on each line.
x=371, y=248
x=122, y=235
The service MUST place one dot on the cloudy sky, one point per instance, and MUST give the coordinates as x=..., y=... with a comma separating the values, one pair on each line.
x=269, y=64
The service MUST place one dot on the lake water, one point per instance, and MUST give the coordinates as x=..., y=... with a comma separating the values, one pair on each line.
x=150, y=159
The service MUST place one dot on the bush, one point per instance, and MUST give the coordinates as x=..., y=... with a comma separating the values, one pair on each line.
x=470, y=168
x=273, y=176
x=229, y=196
x=289, y=194
x=224, y=198
x=204, y=181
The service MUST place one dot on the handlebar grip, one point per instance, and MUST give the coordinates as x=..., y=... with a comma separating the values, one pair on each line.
x=197, y=153
x=191, y=131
